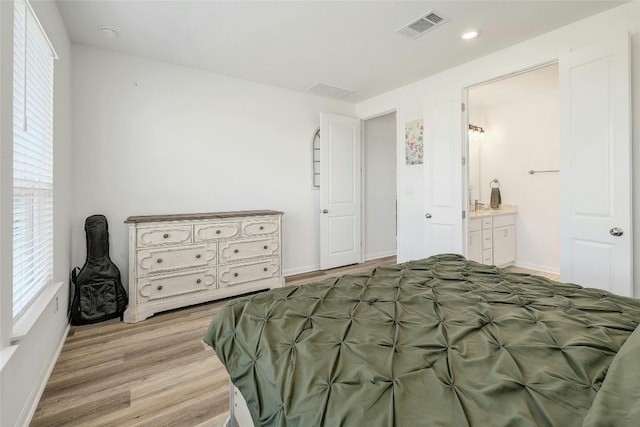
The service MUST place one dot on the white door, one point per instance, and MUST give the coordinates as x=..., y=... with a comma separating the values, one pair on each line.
x=443, y=173
x=340, y=177
x=595, y=167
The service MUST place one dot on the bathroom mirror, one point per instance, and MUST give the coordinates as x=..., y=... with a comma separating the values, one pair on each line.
x=474, y=169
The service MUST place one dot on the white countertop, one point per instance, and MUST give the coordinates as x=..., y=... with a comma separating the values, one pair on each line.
x=502, y=210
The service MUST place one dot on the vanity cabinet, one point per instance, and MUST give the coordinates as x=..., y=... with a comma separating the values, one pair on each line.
x=492, y=240
x=474, y=249
x=504, y=240
x=487, y=241
x=186, y=259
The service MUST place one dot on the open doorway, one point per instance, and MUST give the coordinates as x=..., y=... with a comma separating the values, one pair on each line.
x=513, y=145
x=380, y=187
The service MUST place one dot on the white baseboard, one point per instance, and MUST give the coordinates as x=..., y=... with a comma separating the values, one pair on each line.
x=316, y=267
x=369, y=257
x=300, y=270
x=43, y=378
x=532, y=266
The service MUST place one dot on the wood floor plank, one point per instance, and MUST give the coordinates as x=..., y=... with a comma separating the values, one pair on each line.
x=153, y=373
x=92, y=407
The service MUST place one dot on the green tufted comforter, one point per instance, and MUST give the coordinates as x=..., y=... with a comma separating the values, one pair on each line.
x=436, y=342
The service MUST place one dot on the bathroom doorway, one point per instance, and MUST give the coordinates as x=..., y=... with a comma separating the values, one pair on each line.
x=513, y=145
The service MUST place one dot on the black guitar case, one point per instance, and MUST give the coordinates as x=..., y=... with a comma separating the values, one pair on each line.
x=98, y=291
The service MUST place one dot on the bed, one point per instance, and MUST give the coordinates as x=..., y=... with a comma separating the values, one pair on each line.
x=442, y=341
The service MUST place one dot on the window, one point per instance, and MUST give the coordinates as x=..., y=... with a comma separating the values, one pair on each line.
x=32, y=158
x=315, y=158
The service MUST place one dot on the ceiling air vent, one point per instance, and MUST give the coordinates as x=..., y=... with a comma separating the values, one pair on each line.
x=423, y=24
x=330, y=91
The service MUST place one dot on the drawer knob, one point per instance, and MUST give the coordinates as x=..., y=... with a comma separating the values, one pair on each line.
x=262, y=227
x=266, y=247
x=217, y=231
x=265, y=269
x=159, y=287
x=235, y=274
x=166, y=236
x=199, y=281
x=159, y=260
x=235, y=251
x=198, y=256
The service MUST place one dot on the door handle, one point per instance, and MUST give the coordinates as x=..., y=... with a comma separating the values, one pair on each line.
x=615, y=231
x=325, y=211
x=427, y=215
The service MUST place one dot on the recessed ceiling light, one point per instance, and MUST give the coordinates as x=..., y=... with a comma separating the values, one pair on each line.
x=470, y=34
x=108, y=32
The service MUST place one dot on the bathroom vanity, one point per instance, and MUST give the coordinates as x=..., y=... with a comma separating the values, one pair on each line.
x=492, y=236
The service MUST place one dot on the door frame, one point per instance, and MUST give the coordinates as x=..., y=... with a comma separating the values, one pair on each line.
x=465, y=135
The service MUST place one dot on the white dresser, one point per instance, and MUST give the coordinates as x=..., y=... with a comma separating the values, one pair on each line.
x=180, y=260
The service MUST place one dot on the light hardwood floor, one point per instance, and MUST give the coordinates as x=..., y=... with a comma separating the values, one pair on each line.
x=153, y=373
x=551, y=276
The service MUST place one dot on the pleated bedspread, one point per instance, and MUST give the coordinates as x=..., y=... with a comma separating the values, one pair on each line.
x=436, y=342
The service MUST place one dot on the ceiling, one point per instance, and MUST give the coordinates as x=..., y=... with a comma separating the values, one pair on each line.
x=295, y=44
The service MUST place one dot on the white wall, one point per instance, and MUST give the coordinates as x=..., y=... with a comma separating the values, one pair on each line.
x=380, y=186
x=407, y=101
x=155, y=138
x=25, y=373
x=522, y=133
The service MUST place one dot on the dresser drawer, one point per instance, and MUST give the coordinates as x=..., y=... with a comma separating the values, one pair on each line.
x=233, y=274
x=176, y=284
x=156, y=260
x=259, y=228
x=215, y=231
x=245, y=249
x=153, y=236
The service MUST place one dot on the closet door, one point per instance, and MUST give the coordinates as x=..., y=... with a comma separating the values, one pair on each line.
x=595, y=167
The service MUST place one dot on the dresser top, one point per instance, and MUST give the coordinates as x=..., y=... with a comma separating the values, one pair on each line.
x=198, y=216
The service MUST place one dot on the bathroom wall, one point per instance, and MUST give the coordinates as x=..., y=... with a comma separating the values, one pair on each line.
x=521, y=120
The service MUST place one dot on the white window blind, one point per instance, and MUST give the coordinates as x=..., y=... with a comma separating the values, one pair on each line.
x=32, y=158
